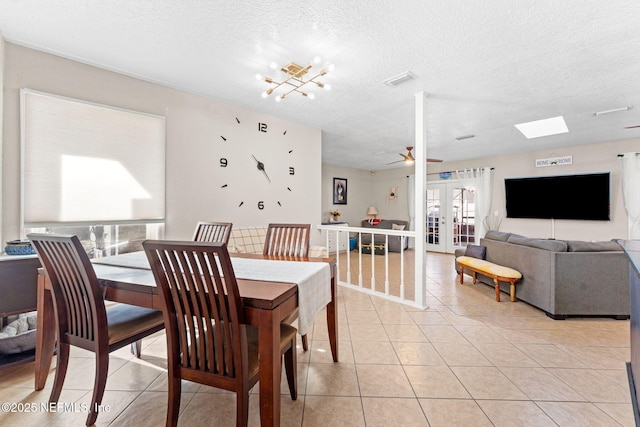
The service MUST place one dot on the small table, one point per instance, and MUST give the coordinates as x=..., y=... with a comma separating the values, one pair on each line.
x=497, y=272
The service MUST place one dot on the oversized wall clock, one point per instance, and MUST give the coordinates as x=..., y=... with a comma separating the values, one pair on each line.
x=256, y=165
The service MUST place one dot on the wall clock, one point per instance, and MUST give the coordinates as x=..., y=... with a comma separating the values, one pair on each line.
x=257, y=168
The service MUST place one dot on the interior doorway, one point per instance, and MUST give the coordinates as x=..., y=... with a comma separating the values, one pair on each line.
x=450, y=217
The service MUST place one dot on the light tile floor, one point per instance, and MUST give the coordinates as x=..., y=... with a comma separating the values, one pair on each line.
x=466, y=360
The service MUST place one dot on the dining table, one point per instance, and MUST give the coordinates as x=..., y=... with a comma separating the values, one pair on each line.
x=271, y=288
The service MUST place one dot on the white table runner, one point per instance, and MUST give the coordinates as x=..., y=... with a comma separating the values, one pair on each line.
x=312, y=278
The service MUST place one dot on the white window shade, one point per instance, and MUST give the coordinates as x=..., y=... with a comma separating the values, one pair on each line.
x=84, y=162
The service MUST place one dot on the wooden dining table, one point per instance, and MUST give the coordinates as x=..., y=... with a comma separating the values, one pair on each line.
x=265, y=303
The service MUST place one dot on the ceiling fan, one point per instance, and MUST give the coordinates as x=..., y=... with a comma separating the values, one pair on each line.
x=409, y=159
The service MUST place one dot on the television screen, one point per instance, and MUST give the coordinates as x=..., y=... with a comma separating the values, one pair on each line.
x=583, y=197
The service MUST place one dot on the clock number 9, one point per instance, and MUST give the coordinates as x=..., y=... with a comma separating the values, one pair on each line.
x=260, y=205
x=223, y=162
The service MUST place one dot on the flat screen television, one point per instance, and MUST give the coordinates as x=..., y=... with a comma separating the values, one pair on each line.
x=584, y=197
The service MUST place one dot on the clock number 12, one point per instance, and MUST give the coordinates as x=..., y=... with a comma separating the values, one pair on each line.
x=262, y=127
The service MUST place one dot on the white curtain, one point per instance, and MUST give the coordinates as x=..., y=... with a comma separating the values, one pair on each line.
x=411, y=188
x=480, y=180
x=630, y=163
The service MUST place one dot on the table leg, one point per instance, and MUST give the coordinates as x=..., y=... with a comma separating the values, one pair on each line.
x=270, y=366
x=45, y=334
x=332, y=318
x=497, y=284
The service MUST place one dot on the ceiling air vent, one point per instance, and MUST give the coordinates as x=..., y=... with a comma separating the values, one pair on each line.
x=399, y=79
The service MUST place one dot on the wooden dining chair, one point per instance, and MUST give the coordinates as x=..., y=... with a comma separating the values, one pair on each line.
x=208, y=339
x=212, y=232
x=83, y=321
x=289, y=240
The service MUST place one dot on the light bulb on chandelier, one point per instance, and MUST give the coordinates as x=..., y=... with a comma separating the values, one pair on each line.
x=294, y=79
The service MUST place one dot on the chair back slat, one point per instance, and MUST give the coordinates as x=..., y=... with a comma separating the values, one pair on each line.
x=287, y=240
x=202, y=302
x=79, y=302
x=212, y=232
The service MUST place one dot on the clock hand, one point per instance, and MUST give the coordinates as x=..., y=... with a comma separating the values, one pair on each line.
x=261, y=168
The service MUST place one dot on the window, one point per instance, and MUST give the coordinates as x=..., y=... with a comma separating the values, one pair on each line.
x=105, y=240
x=88, y=165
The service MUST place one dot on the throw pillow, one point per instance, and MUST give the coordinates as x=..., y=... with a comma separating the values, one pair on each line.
x=476, y=251
x=397, y=227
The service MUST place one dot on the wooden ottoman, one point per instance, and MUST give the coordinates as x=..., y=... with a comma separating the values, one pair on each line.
x=497, y=272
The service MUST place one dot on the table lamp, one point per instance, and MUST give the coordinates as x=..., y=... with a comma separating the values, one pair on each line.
x=372, y=212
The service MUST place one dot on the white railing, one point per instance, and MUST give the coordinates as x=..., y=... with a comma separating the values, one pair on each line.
x=362, y=271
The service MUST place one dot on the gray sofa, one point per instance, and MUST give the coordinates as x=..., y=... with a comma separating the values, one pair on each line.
x=563, y=278
x=395, y=242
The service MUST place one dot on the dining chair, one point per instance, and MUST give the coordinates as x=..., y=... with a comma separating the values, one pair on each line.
x=288, y=240
x=82, y=319
x=208, y=339
x=212, y=232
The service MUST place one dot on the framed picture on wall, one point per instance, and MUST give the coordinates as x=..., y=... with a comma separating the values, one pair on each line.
x=339, y=191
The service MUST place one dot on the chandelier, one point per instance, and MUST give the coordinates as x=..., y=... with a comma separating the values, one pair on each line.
x=294, y=80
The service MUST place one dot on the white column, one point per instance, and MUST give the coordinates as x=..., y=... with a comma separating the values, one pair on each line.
x=420, y=168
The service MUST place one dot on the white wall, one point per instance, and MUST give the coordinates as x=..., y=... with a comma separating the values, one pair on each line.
x=600, y=157
x=382, y=182
x=358, y=193
x=194, y=146
x=370, y=190
x=364, y=190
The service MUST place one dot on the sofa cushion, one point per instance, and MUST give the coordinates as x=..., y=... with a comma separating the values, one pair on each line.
x=476, y=251
x=399, y=227
x=546, y=244
x=581, y=246
x=500, y=236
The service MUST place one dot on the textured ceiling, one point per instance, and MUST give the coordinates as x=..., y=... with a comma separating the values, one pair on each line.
x=486, y=64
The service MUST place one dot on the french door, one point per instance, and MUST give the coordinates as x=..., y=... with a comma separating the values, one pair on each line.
x=450, y=217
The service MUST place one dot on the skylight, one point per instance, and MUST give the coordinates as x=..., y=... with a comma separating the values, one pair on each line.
x=546, y=127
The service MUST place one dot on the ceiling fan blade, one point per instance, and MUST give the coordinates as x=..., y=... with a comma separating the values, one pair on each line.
x=434, y=160
x=632, y=127
x=395, y=162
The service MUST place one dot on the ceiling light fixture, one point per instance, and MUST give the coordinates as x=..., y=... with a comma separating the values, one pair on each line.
x=614, y=110
x=294, y=80
x=545, y=127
